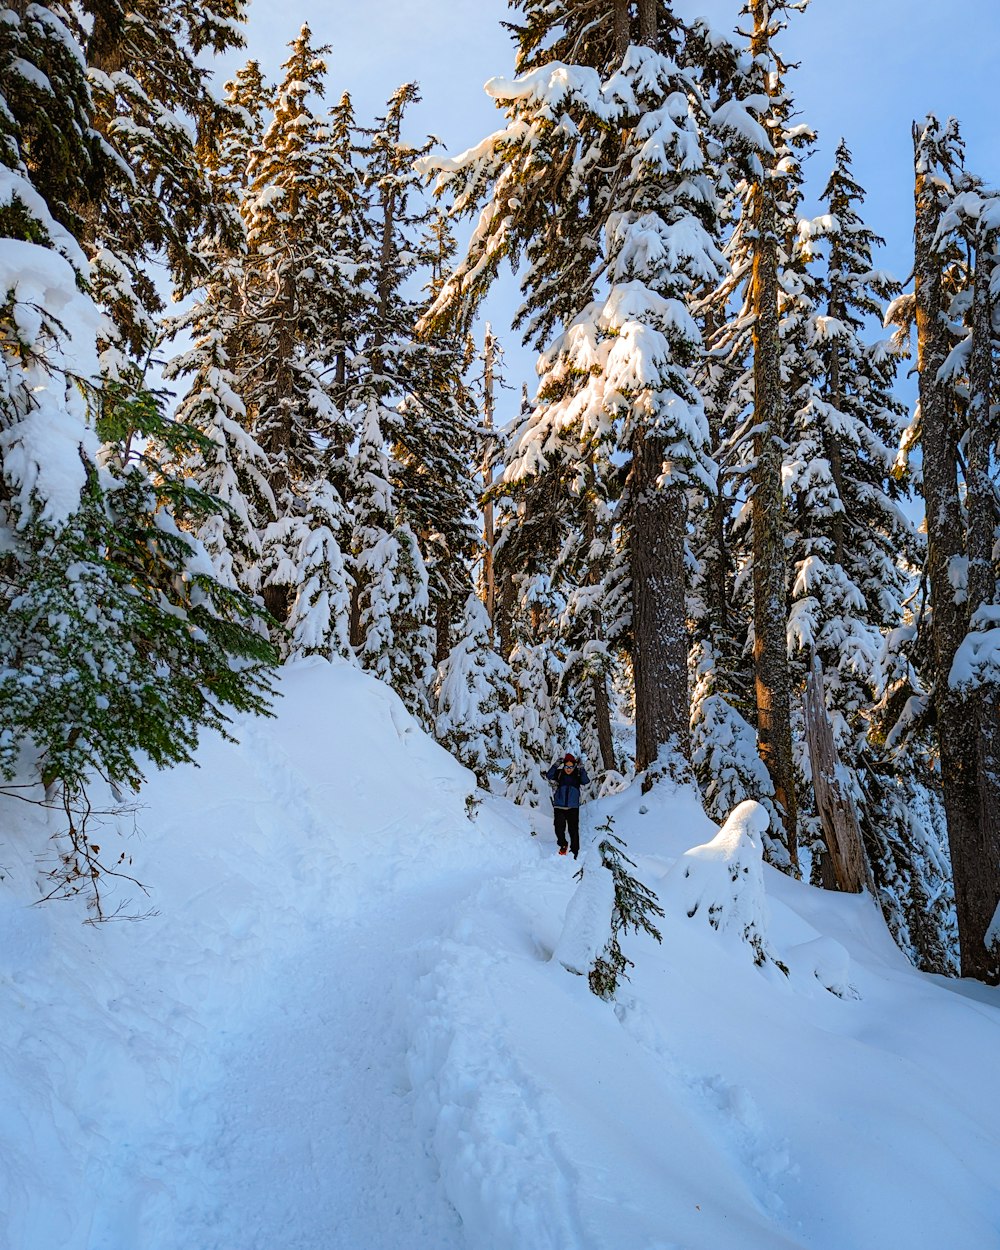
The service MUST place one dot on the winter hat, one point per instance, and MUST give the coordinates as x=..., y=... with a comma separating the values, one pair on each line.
x=569, y=757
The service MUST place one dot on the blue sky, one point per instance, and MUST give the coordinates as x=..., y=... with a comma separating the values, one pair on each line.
x=867, y=69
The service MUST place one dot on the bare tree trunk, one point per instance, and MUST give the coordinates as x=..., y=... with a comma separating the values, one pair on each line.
x=659, y=651
x=837, y=813
x=981, y=507
x=956, y=722
x=770, y=610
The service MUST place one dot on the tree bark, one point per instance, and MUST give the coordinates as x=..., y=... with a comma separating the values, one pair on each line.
x=837, y=813
x=659, y=650
x=648, y=23
x=489, y=591
x=770, y=609
x=832, y=444
x=599, y=681
x=981, y=507
x=621, y=29
x=442, y=631
x=602, y=717
x=956, y=722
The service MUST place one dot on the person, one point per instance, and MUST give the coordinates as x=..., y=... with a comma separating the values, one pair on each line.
x=567, y=778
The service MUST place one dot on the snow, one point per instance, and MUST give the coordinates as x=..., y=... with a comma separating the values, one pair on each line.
x=977, y=660
x=344, y=1029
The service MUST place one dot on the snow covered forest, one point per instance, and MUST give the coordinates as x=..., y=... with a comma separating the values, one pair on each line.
x=256, y=432
x=707, y=506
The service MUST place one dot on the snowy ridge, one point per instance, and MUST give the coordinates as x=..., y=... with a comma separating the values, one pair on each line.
x=345, y=1029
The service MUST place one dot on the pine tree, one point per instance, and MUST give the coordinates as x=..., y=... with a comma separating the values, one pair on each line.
x=635, y=907
x=582, y=198
x=943, y=288
x=846, y=536
x=473, y=696
x=391, y=630
x=761, y=258
x=538, y=727
x=319, y=618
x=416, y=371
x=48, y=138
x=292, y=294
x=118, y=642
x=154, y=109
x=234, y=468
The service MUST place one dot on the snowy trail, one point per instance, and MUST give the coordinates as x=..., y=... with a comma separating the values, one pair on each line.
x=315, y=1098
x=343, y=1029
x=308, y=1138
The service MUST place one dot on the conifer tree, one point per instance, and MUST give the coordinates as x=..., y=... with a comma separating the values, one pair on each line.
x=964, y=711
x=390, y=627
x=635, y=907
x=415, y=372
x=538, y=726
x=615, y=359
x=292, y=293
x=154, y=109
x=233, y=467
x=766, y=204
x=319, y=619
x=473, y=696
x=849, y=539
x=118, y=642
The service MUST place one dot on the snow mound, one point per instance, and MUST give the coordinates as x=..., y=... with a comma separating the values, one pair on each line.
x=344, y=1027
x=585, y=930
x=722, y=882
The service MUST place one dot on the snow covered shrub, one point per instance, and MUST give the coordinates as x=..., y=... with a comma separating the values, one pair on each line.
x=605, y=905
x=723, y=881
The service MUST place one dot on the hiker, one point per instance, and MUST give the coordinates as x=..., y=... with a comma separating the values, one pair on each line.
x=567, y=778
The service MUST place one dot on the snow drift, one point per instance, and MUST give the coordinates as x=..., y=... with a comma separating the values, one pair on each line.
x=344, y=1027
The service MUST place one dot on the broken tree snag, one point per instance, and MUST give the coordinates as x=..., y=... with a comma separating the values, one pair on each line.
x=835, y=807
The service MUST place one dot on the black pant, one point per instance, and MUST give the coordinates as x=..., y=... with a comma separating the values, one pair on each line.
x=568, y=817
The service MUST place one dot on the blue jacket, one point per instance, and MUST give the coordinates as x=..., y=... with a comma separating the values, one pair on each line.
x=567, y=791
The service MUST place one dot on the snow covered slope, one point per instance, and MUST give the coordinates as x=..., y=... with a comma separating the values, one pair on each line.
x=344, y=1030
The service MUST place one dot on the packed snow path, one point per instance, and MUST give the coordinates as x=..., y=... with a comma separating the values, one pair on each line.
x=344, y=1029
x=314, y=1144
x=315, y=1099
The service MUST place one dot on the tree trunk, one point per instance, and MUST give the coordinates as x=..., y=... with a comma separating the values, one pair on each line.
x=832, y=445
x=770, y=609
x=442, y=631
x=506, y=606
x=648, y=23
x=621, y=30
x=489, y=588
x=599, y=681
x=981, y=507
x=602, y=716
x=659, y=650
x=837, y=813
x=956, y=723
